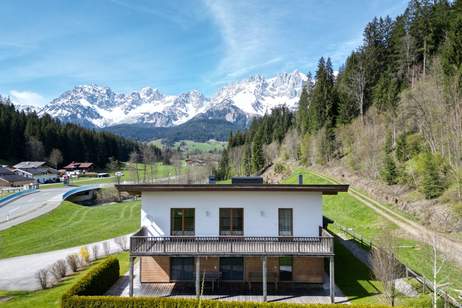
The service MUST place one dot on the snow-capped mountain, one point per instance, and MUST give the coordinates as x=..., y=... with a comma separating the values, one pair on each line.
x=100, y=107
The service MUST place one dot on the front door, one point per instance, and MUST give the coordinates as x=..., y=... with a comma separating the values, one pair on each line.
x=232, y=268
x=181, y=268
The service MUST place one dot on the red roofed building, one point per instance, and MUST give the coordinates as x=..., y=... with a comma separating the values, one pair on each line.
x=77, y=166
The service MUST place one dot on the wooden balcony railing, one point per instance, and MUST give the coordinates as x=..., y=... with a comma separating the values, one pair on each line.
x=231, y=246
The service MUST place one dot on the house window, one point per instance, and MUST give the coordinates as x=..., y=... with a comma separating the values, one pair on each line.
x=285, y=222
x=181, y=268
x=232, y=268
x=231, y=221
x=182, y=222
x=285, y=268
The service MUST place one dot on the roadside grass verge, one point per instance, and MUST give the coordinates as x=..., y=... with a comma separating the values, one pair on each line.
x=70, y=225
x=52, y=297
x=350, y=212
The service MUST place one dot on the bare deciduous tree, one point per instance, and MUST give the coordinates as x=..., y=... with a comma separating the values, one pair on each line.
x=386, y=267
x=106, y=248
x=42, y=277
x=358, y=84
x=58, y=269
x=56, y=157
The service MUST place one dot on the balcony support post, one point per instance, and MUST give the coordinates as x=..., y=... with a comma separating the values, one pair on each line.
x=132, y=265
x=331, y=279
x=264, y=278
x=198, y=274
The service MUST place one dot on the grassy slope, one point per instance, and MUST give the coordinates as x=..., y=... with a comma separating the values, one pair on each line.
x=349, y=212
x=70, y=225
x=52, y=297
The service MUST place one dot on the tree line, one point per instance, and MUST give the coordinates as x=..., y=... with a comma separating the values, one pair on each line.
x=26, y=136
x=394, y=110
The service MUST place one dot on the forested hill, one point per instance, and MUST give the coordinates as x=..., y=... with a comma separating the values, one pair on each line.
x=393, y=114
x=29, y=137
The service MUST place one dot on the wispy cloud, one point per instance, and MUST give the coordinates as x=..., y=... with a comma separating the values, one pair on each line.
x=27, y=98
x=250, y=43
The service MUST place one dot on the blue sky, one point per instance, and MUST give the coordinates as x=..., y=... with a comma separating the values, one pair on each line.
x=48, y=47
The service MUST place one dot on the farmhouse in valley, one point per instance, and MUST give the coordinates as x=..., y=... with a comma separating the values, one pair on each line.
x=247, y=233
x=37, y=170
x=11, y=179
x=79, y=167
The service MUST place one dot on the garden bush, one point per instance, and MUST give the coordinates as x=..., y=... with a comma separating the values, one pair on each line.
x=160, y=302
x=97, y=281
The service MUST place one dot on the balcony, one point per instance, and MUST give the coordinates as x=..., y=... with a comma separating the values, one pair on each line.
x=232, y=245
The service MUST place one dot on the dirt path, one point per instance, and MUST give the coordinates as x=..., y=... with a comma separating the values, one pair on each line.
x=450, y=247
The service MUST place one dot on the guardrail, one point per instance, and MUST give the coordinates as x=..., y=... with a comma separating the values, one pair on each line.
x=426, y=283
x=231, y=245
x=16, y=195
x=80, y=189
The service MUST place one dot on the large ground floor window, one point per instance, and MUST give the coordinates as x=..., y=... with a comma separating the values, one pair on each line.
x=232, y=268
x=181, y=268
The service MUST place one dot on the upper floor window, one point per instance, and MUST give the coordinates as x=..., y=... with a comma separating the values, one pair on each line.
x=285, y=222
x=231, y=221
x=182, y=221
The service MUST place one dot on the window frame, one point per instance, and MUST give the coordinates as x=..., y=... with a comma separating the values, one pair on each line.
x=182, y=232
x=231, y=232
x=291, y=222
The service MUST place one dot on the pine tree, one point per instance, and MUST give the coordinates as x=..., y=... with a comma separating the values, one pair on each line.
x=247, y=159
x=432, y=183
x=401, y=152
x=258, y=158
x=389, y=172
x=223, y=172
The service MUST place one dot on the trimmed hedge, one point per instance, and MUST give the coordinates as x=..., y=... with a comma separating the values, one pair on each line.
x=161, y=302
x=97, y=281
x=86, y=293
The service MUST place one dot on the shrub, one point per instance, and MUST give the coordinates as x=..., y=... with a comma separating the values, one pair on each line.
x=84, y=255
x=42, y=277
x=279, y=168
x=58, y=269
x=159, y=302
x=73, y=262
x=96, y=281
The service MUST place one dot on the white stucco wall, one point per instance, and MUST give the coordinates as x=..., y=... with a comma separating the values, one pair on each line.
x=260, y=211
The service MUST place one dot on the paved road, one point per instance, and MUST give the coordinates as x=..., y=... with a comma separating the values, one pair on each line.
x=18, y=273
x=30, y=206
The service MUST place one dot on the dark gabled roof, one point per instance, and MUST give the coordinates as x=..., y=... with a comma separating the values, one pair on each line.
x=12, y=178
x=5, y=171
x=324, y=189
x=35, y=171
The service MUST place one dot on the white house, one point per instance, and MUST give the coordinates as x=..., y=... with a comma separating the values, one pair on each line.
x=244, y=232
x=37, y=170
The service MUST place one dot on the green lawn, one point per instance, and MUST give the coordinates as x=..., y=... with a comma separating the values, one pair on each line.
x=348, y=211
x=70, y=225
x=81, y=181
x=52, y=297
x=158, y=170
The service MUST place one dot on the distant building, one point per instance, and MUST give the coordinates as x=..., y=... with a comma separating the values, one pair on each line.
x=9, y=178
x=80, y=167
x=37, y=170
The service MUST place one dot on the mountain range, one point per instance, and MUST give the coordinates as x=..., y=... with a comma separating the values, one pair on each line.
x=149, y=114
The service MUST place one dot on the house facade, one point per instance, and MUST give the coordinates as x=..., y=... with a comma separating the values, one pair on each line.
x=242, y=233
x=10, y=179
x=39, y=171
